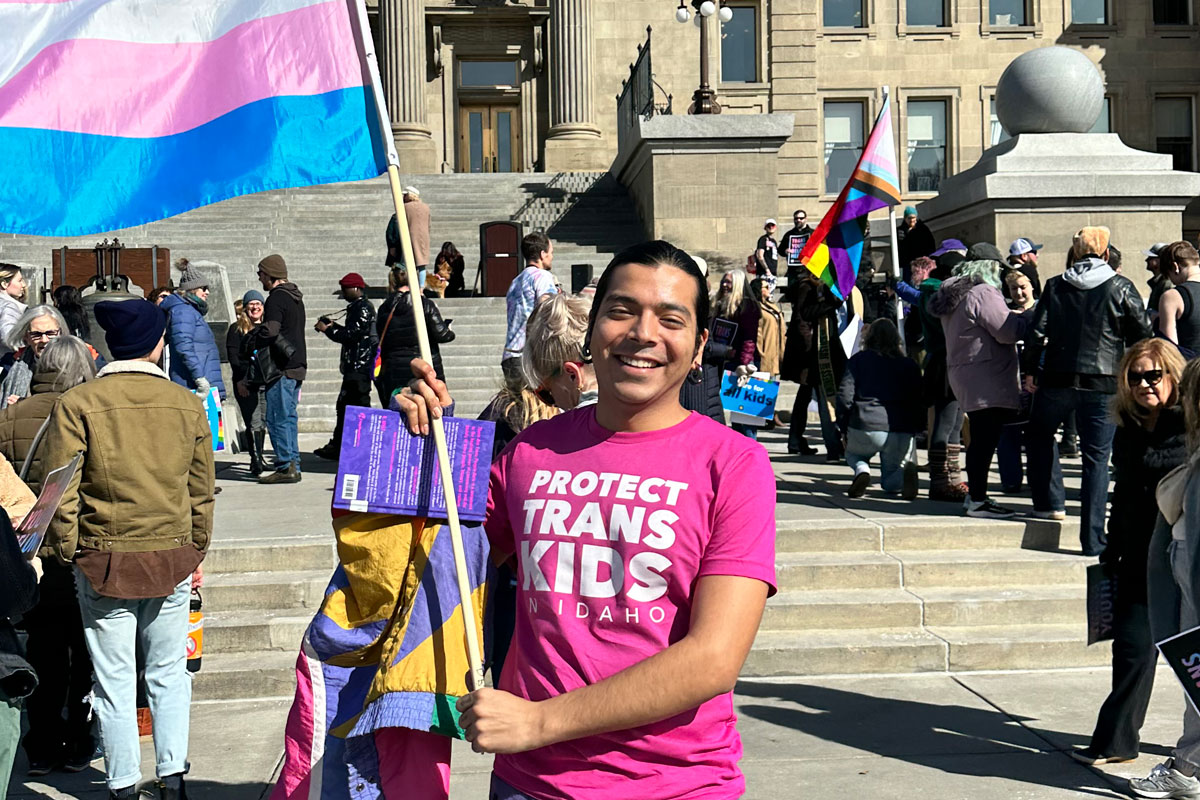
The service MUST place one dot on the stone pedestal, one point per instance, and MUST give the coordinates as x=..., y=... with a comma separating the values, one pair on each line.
x=403, y=68
x=573, y=142
x=1046, y=186
x=705, y=183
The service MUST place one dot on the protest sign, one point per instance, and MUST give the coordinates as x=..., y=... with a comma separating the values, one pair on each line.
x=749, y=397
x=1182, y=652
x=1101, y=603
x=384, y=469
x=32, y=530
x=216, y=418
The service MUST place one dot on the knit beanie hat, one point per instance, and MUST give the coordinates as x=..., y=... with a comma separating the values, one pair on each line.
x=984, y=251
x=273, y=267
x=252, y=295
x=192, y=279
x=132, y=328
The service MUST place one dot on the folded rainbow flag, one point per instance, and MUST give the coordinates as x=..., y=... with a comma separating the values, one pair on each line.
x=114, y=113
x=834, y=251
x=382, y=664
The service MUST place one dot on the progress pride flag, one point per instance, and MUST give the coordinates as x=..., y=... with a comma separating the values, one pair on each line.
x=114, y=113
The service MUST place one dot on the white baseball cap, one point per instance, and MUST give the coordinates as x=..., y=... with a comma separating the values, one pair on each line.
x=414, y=191
x=770, y=222
x=1022, y=246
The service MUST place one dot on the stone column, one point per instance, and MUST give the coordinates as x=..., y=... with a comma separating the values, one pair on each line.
x=573, y=141
x=403, y=67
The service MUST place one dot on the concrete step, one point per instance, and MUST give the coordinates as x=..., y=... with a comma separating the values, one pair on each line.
x=1005, y=606
x=844, y=652
x=248, y=631
x=1022, y=647
x=291, y=589
x=976, y=568
x=963, y=533
x=836, y=571
x=842, y=609
x=235, y=676
x=250, y=555
x=827, y=537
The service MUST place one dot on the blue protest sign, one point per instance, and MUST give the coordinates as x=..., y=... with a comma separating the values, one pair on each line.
x=754, y=397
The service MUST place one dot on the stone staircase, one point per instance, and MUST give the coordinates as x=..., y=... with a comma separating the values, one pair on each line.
x=326, y=231
x=856, y=596
x=924, y=594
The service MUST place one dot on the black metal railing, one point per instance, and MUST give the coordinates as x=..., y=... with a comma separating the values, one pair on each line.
x=638, y=92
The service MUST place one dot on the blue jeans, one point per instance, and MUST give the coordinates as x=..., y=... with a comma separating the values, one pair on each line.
x=1096, y=429
x=892, y=447
x=283, y=422
x=749, y=431
x=112, y=629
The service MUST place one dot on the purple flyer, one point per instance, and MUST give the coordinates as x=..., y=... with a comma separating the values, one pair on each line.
x=386, y=470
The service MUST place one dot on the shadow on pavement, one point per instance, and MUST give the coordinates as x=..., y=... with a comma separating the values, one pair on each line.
x=922, y=733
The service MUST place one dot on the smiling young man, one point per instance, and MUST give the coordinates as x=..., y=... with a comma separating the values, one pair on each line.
x=642, y=573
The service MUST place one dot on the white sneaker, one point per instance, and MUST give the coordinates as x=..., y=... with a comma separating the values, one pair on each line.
x=1164, y=781
x=1057, y=515
x=986, y=509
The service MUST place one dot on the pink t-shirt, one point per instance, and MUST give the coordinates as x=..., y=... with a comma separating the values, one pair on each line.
x=611, y=531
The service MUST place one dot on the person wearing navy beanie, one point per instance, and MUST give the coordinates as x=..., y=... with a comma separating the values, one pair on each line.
x=135, y=571
x=132, y=328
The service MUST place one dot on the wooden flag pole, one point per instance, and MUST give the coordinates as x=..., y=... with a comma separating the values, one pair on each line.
x=439, y=430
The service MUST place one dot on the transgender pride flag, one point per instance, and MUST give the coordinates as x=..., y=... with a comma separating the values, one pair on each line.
x=834, y=251
x=114, y=113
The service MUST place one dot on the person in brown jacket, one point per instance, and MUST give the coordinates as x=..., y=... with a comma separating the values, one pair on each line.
x=136, y=525
x=770, y=326
x=417, y=214
x=60, y=729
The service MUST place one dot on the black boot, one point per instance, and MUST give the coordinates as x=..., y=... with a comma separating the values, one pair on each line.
x=256, y=452
x=171, y=787
x=128, y=793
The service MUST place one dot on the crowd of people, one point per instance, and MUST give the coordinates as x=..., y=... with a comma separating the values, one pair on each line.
x=600, y=390
x=993, y=352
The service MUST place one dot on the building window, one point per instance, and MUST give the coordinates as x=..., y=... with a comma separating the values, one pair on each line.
x=843, y=142
x=488, y=73
x=739, y=46
x=926, y=144
x=927, y=13
x=1172, y=12
x=845, y=14
x=996, y=132
x=1089, y=12
x=1007, y=13
x=1104, y=121
x=1174, y=131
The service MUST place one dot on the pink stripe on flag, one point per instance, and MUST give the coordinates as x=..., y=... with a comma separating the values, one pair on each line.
x=149, y=90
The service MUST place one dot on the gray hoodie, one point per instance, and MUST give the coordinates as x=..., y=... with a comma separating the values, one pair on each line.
x=1088, y=273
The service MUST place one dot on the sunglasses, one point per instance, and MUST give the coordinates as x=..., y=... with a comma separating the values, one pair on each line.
x=1152, y=377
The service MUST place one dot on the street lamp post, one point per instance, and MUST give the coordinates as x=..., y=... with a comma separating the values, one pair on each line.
x=704, y=99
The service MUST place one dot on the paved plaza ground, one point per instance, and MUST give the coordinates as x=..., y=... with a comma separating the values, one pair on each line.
x=974, y=736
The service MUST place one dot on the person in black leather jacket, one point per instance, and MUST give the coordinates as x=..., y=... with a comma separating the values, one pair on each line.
x=358, y=340
x=398, y=337
x=1084, y=321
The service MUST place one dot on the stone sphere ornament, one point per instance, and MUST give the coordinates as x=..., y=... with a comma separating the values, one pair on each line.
x=1050, y=90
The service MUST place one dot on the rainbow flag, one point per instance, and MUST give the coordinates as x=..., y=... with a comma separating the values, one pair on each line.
x=114, y=113
x=834, y=251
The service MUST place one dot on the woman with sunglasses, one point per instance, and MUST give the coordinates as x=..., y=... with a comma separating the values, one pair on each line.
x=1149, y=443
x=1173, y=590
x=645, y=543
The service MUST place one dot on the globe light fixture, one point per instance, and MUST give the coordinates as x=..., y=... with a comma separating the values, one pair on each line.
x=708, y=8
x=681, y=13
x=726, y=14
